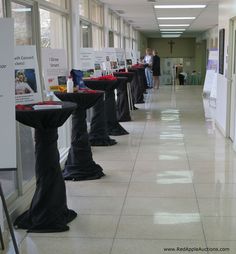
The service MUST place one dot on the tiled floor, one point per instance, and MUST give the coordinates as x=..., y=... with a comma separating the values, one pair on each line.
x=170, y=183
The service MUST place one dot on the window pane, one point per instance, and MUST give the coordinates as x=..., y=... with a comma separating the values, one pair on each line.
x=8, y=182
x=61, y=3
x=97, y=13
x=110, y=20
x=84, y=8
x=97, y=37
x=22, y=23
x=1, y=9
x=53, y=30
x=85, y=35
x=116, y=24
x=116, y=41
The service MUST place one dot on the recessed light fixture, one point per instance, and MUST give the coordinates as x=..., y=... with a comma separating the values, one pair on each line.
x=22, y=10
x=163, y=32
x=170, y=35
x=180, y=6
x=173, y=25
x=174, y=29
x=176, y=18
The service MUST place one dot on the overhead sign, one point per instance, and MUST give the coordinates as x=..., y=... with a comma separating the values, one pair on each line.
x=55, y=68
x=7, y=96
x=27, y=81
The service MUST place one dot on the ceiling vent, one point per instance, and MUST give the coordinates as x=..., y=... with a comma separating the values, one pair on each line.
x=151, y=1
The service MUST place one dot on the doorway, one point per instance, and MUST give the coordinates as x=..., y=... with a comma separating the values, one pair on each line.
x=232, y=79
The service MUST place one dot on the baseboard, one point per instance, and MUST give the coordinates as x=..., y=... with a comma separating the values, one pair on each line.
x=222, y=131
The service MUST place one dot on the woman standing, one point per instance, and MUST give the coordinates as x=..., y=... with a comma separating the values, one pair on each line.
x=156, y=69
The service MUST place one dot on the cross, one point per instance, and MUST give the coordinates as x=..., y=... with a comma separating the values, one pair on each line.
x=171, y=43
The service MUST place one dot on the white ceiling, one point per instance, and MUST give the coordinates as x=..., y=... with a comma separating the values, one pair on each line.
x=142, y=15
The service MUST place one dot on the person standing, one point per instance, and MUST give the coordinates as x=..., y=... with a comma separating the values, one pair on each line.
x=156, y=69
x=148, y=69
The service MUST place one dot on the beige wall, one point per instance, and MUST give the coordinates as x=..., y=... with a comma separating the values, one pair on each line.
x=183, y=47
x=142, y=43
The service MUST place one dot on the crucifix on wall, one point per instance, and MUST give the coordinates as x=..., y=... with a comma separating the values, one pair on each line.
x=171, y=43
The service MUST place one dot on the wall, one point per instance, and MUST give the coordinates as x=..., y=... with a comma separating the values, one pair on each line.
x=200, y=59
x=142, y=43
x=227, y=10
x=183, y=47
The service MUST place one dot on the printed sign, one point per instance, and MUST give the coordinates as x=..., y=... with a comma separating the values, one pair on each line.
x=55, y=69
x=7, y=96
x=87, y=59
x=27, y=81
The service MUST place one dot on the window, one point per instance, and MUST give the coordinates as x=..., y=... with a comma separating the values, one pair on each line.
x=85, y=35
x=110, y=20
x=116, y=24
x=8, y=182
x=1, y=9
x=97, y=37
x=111, y=39
x=84, y=8
x=127, y=30
x=22, y=15
x=61, y=3
x=116, y=41
x=53, y=30
x=97, y=13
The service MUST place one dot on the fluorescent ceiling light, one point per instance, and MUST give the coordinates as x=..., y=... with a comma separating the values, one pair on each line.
x=22, y=10
x=163, y=32
x=173, y=25
x=170, y=35
x=180, y=6
x=175, y=18
x=174, y=29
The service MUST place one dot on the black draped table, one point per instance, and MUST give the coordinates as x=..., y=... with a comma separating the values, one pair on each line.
x=141, y=84
x=111, y=122
x=48, y=211
x=80, y=164
x=131, y=76
x=137, y=90
x=122, y=104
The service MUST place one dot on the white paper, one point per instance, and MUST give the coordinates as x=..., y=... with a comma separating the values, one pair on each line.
x=27, y=81
x=7, y=96
x=210, y=81
x=111, y=58
x=87, y=59
x=55, y=68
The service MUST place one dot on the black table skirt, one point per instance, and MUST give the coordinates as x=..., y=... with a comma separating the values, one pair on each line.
x=48, y=211
x=122, y=104
x=104, y=121
x=80, y=165
x=136, y=86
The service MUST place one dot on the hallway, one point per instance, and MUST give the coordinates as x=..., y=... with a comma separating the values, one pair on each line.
x=170, y=183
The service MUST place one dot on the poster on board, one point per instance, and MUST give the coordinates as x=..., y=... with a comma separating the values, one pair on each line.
x=120, y=54
x=87, y=59
x=211, y=74
x=27, y=81
x=55, y=68
x=99, y=63
x=7, y=96
x=111, y=58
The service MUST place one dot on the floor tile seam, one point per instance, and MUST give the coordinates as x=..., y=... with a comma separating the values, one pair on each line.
x=196, y=197
x=189, y=167
x=126, y=195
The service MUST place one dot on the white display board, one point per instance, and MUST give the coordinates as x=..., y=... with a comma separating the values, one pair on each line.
x=55, y=68
x=87, y=59
x=27, y=81
x=7, y=96
x=111, y=58
x=120, y=54
x=210, y=84
x=99, y=63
